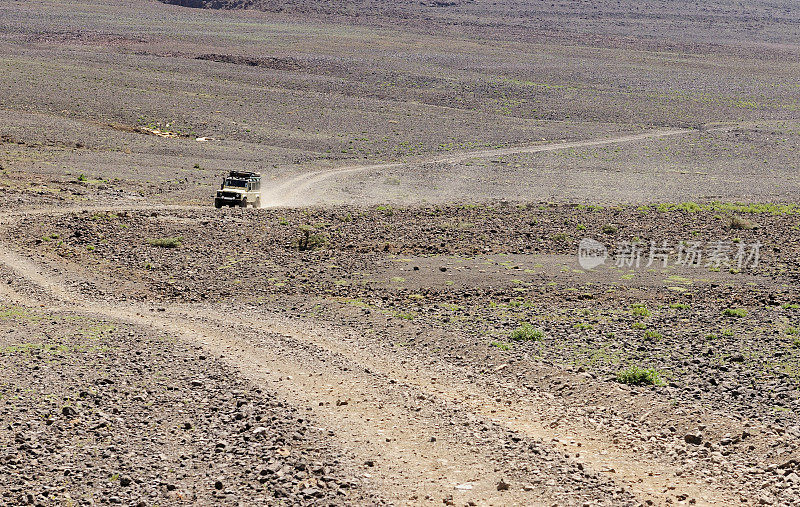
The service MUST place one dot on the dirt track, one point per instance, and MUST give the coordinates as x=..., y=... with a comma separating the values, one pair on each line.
x=445, y=158
x=294, y=191
x=364, y=399
x=410, y=418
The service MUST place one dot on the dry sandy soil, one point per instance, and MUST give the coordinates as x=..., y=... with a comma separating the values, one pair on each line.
x=407, y=322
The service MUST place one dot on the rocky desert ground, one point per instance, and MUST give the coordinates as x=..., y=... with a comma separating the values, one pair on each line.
x=510, y=253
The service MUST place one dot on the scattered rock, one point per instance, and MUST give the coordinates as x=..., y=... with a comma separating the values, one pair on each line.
x=693, y=438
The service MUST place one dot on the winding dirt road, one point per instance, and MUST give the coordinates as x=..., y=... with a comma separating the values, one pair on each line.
x=291, y=191
x=406, y=418
x=381, y=411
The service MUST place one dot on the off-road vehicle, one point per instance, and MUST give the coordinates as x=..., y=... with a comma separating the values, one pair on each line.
x=240, y=188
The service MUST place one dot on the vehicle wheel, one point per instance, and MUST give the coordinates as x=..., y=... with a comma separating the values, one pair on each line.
x=218, y=205
x=244, y=203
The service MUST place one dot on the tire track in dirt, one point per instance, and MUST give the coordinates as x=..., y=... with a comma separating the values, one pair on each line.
x=368, y=417
x=530, y=414
x=291, y=191
x=375, y=423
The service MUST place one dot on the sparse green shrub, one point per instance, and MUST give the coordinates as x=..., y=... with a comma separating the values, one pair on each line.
x=309, y=239
x=740, y=223
x=640, y=310
x=610, y=229
x=82, y=177
x=634, y=375
x=526, y=332
x=501, y=345
x=791, y=330
x=583, y=326
x=690, y=207
x=171, y=242
x=639, y=325
x=734, y=312
x=727, y=332
x=387, y=210
x=680, y=306
x=561, y=236
x=653, y=335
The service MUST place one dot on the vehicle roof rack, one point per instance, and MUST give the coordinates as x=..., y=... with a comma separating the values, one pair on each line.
x=244, y=174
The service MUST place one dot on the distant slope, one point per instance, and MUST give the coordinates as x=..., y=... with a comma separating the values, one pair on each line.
x=680, y=21
x=340, y=7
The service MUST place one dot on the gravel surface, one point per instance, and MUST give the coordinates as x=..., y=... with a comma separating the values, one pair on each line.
x=98, y=412
x=449, y=285
x=418, y=329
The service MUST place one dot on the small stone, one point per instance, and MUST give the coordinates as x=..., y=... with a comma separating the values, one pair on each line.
x=503, y=485
x=311, y=492
x=693, y=438
x=218, y=485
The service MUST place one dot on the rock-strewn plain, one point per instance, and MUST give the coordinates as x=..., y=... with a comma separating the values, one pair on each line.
x=407, y=321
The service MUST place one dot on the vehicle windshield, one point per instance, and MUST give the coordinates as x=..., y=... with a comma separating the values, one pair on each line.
x=230, y=182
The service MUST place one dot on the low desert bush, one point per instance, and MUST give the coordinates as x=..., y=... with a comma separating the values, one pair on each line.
x=740, y=223
x=635, y=375
x=734, y=312
x=526, y=332
x=171, y=242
